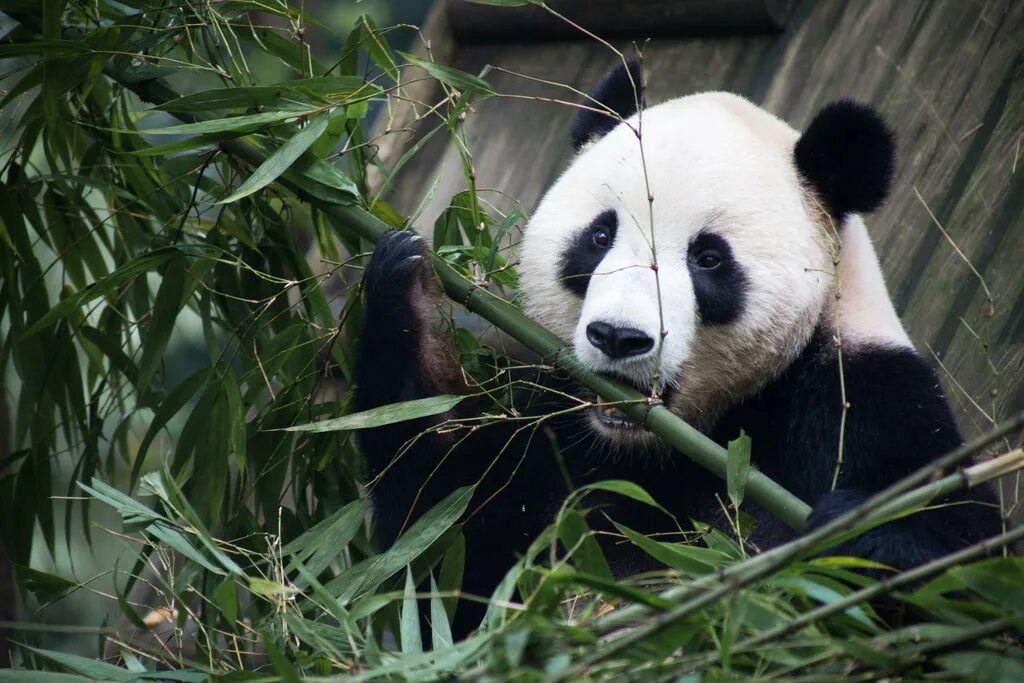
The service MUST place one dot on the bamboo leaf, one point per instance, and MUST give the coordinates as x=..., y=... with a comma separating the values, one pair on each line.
x=624, y=488
x=280, y=160
x=92, y=668
x=510, y=222
x=984, y=666
x=577, y=539
x=47, y=588
x=440, y=629
x=297, y=95
x=162, y=319
x=104, y=287
x=377, y=48
x=409, y=622
x=226, y=598
x=23, y=676
x=246, y=124
x=47, y=48
x=737, y=467
x=462, y=81
x=197, y=142
x=318, y=547
x=507, y=3
x=270, y=589
x=174, y=402
x=383, y=415
x=420, y=536
x=688, y=559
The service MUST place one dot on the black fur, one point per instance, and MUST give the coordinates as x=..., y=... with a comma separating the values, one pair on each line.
x=721, y=292
x=898, y=420
x=619, y=91
x=847, y=155
x=581, y=257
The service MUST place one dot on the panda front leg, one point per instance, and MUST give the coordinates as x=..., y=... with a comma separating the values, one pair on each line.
x=898, y=423
x=402, y=357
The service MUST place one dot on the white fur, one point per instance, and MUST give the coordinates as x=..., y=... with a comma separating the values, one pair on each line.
x=715, y=161
x=866, y=314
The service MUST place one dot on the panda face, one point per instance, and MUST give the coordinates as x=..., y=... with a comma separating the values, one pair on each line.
x=689, y=261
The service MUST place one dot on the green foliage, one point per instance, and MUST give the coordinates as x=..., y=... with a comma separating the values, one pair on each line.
x=138, y=238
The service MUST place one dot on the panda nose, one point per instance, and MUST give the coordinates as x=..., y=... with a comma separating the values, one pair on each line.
x=618, y=342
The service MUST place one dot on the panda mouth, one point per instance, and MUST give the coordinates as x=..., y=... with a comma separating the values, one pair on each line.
x=612, y=416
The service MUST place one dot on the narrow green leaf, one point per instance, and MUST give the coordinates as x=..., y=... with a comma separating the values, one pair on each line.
x=226, y=598
x=177, y=542
x=688, y=559
x=47, y=48
x=623, y=488
x=383, y=415
x=319, y=546
x=103, y=287
x=246, y=123
x=235, y=410
x=806, y=585
x=287, y=95
x=280, y=160
x=462, y=81
x=337, y=187
x=45, y=587
x=92, y=668
x=268, y=588
x=262, y=96
x=409, y=621
x=440, y=629
x=510, y=222
x=23, y=676
x=280, y=663
x=162, y=319
x=377, y=48
x=119, y=360
x=369, y=574
x=197, y=142
x=174, y=402
x=984, y=666
x=132, y=512
x=586, y=552
x=507, y=3
x=737, y=467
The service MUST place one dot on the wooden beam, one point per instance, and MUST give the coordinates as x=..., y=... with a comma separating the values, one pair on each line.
x=634, y=19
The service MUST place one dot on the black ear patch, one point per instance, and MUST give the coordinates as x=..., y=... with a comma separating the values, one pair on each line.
x=615, y=91
x=848, y=154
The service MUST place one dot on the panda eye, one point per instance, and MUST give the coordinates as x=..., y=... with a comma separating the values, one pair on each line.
x=601, y=238
x=709, y=259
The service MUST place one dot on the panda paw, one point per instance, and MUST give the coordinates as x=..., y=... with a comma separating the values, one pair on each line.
x=399, y=262
x=900, y=544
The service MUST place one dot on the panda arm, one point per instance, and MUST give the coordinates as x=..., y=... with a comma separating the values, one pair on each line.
x=898, y=421
x=402, y=357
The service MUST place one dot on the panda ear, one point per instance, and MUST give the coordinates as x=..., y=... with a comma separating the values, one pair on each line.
x=847, y=155
x=619, y=90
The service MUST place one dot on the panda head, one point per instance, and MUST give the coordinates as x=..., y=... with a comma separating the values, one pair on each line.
x=691, y=251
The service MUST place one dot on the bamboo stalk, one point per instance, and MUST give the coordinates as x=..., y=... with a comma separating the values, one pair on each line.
x=659, y=420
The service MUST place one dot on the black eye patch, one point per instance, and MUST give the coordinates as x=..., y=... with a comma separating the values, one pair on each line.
x=718, y=279
x=586, y=250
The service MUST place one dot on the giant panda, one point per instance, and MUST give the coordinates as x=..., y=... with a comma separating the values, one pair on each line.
x=710, y=255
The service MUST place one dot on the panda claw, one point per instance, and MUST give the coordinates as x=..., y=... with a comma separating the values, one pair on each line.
x=396, y=260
